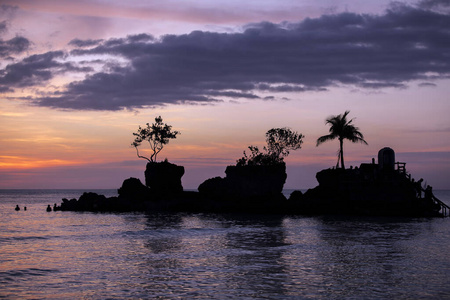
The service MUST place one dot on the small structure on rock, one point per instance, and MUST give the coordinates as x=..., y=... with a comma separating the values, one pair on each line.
x=386, y=159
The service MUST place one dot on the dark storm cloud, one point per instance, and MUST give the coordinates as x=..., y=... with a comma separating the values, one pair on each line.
x=404, y=44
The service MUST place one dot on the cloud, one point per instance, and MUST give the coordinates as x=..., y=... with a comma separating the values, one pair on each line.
x=85, y=43
x=427, y=84
x=16, y=45
x=36, y=70
x=3, y=27
x=368, y=51
x=436, y=5
x=8, y=11
x=200, y=12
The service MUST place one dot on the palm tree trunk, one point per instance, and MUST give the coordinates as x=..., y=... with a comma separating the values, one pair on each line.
x=341, y=144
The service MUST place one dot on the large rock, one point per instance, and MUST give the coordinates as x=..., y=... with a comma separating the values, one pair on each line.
x=134, y=190
x=247, y=181
x=256, y=180
x=213, y=187
x=367, y=190
x=164, y=177
x=90, y=202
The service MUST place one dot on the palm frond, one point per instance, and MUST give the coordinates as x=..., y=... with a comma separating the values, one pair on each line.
x=325, y=138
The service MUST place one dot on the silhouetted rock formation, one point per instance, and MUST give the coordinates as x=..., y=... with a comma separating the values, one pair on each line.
x=133, y=196
x=164, y=177
x=246, y=188
x=134, y=190
x=90, y=202
x=371, y=189
x=247, y=181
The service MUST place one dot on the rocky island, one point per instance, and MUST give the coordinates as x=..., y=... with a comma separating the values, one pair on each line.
x=255, y=184
x=372, y=189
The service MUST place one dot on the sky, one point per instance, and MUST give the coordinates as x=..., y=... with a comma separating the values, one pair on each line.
x=77, y=78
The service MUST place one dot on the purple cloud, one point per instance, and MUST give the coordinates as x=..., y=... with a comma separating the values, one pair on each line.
x=404, y=44
x=36, y=70
x=84, y=43
x=16, y=45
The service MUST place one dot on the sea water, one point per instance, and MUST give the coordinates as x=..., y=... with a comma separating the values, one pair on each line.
x=76, y=255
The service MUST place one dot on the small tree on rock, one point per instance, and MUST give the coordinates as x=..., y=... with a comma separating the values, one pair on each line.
x=279, y=142
x=157, y=135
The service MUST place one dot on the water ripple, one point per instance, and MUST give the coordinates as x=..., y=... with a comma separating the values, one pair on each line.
x=66, y=255
x=24, y=274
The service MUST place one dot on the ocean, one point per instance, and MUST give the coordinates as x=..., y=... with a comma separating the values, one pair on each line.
x=80, y=255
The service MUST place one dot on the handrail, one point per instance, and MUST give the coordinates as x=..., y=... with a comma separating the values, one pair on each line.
x=445, y=208
x=401, y=167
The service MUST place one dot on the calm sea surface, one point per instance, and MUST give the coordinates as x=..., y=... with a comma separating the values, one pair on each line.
x=68, y=255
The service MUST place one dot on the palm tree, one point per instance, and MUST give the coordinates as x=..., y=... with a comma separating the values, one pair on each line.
x=341, y=129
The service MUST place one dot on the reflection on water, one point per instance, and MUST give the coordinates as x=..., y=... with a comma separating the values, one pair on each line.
x=357, y=252
x=86, y=255
x=254, y=257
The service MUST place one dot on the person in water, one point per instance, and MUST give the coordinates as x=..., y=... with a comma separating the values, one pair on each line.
x=49, y=208
x=17, y=207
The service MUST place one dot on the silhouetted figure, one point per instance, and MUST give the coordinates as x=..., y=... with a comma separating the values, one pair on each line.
x=418, y=187
x=17, y=208
x=54, y=207
x=429, y=193
x=49, y=208
x=24, y=208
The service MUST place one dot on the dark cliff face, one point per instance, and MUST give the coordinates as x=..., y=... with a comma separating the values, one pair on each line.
x=164, y=177
x=247, y=181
